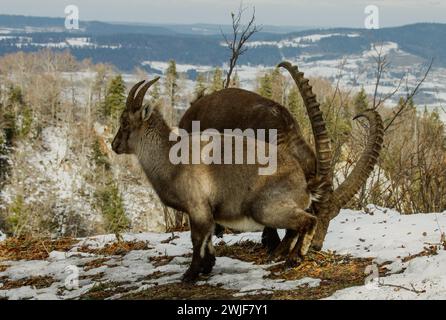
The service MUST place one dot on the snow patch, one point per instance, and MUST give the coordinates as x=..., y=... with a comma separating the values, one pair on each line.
x=298, y=42
x=383, y=233
x=79, y=42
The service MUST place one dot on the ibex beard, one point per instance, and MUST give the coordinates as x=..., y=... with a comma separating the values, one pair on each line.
x=234, y=195
x=234, y=146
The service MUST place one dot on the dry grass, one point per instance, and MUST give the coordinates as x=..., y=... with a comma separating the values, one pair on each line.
x=171, y=238
x=117, y=248
x=94, y=277
x=95, y=264
x=431, y=250
x=248, y=251
x=181, y=291
x=36, y=282
x=335, y=271
x=32, y=248
x=104, y=290
x=159, y=261
x=3, y=267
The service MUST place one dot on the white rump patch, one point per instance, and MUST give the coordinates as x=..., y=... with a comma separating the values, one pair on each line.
x=306, y=242
x=242, y=224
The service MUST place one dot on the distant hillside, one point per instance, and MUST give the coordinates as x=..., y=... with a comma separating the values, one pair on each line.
x=46, y=24
x=127, y=46
x=95, y=27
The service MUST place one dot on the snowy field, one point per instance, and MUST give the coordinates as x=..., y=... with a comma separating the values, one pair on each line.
x=396, y=242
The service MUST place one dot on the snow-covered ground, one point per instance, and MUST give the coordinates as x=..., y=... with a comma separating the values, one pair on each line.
x=381, y=233
x=389, y=236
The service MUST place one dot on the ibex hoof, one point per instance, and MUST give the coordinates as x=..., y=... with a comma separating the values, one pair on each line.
x=293, y=262
x=280, y=253
x=270, y=240
x=190, y=276
x=316, y=246
x=276, y=257
x=207, y=264
x=270, y=247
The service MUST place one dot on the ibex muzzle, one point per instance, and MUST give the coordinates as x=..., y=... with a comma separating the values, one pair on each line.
x=119, y=144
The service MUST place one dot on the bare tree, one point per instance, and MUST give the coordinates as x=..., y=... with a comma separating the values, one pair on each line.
x=409, y=95
x=382, y=64
x=402, y=178
x=240, y=34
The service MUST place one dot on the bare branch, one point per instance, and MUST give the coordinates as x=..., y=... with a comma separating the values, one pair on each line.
x=402, y=287
x=382, y=64
x=240, y=35
x=409, y=96
x=382, y=100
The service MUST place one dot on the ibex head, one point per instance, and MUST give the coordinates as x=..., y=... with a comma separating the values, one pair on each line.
x=132, y=120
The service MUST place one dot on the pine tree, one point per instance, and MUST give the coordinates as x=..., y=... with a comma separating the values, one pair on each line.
x=15, y=96
x=294, y=103
x=217, y=80
x=14, y=105
x=200, y=84
x=360, y=101
x=265, y=86
x=155, y=93
x=277, y=86
x=111, y=205
x=235, y=81
x=171, y=83
x=100, y=82
x=411, y=104
x=114, y=102
x=15, y=122
x=296, y=107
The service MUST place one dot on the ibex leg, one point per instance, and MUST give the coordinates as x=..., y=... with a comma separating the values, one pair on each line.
x=270, y=239
x=202, y=228
x=279, y=215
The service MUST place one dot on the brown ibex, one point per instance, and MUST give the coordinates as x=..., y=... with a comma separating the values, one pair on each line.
x=231, y=195
x=237, y=108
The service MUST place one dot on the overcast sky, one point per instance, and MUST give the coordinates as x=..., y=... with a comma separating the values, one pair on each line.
x=324, y=13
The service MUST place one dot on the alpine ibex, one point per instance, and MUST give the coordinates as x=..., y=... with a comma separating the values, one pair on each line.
x=236, y=108
x=231, y=195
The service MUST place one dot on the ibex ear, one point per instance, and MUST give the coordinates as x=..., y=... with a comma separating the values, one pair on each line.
x=146, y=112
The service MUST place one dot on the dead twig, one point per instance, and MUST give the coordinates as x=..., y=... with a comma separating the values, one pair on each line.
x=240, y=35
x=402, y=287
x=409, y=97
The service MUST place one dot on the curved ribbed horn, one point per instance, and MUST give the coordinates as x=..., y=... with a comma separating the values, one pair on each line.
x=137, y=103
x=366, y=162
x=131, y=94
x=333, y=201
x=322, y=141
